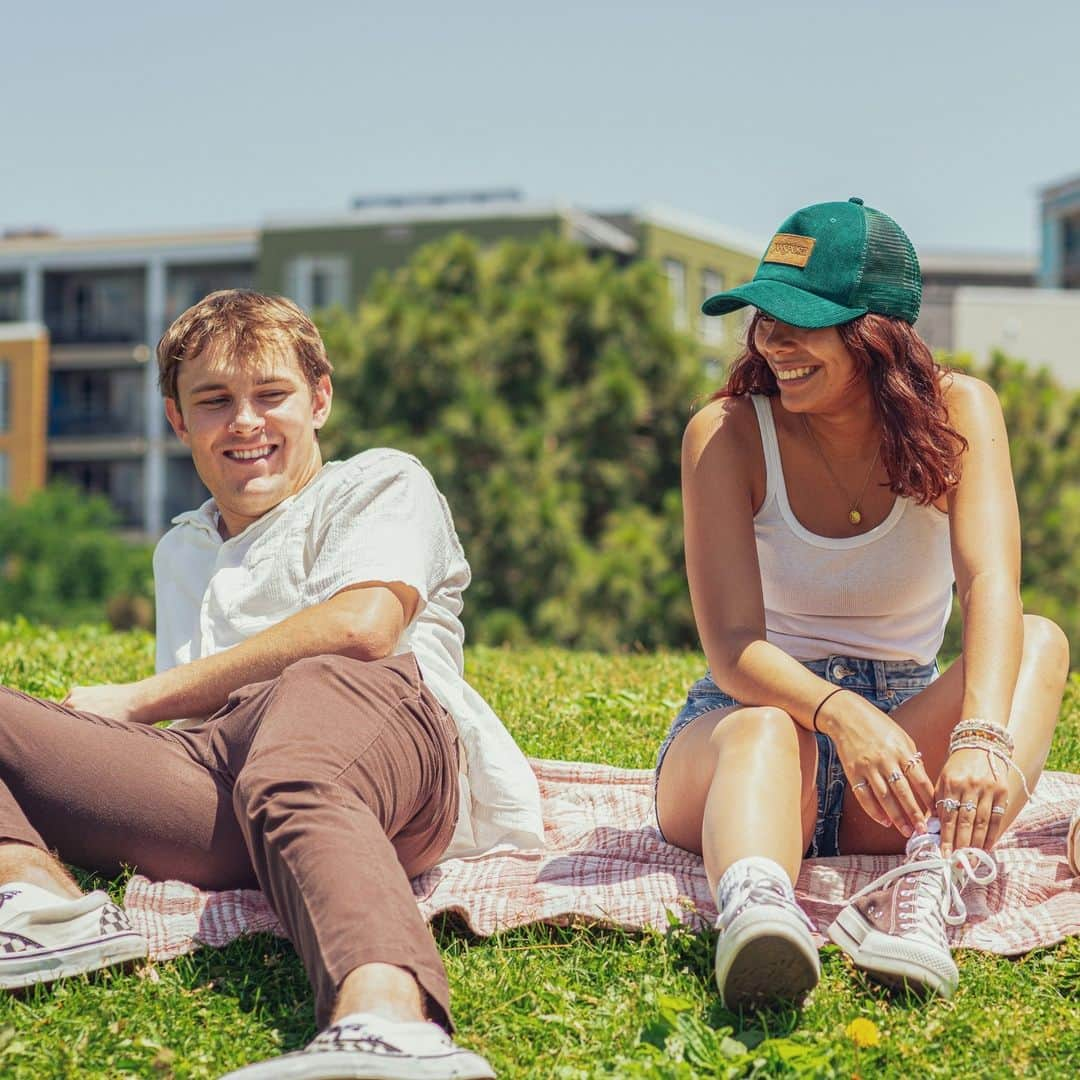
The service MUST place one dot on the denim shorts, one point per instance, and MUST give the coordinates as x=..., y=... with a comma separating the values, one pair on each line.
x=884, y=683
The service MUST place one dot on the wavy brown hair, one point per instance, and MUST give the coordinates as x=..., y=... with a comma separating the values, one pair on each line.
x=920, y=449
x=247, y=324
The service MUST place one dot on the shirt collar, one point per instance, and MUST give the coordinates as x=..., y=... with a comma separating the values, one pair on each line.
x=206, y=516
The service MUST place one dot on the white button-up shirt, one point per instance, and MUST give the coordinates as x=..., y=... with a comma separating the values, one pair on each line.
x=376, y=517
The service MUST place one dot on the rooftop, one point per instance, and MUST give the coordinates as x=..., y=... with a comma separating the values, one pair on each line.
x=975, y=261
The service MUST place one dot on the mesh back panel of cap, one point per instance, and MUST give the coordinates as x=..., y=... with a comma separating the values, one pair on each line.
x=891, y=283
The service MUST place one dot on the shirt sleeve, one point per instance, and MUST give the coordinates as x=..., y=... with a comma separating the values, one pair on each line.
x=385, y=522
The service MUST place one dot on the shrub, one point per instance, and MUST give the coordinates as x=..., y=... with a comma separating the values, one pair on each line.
x=62, y=562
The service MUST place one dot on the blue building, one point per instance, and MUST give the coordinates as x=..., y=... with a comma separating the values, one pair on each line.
x=1059, y=265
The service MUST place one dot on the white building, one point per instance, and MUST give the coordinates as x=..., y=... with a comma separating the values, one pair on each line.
x=106, y=301
x=1039, y=326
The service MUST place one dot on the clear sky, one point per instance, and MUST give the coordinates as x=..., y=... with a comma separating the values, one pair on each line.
x=123, y=116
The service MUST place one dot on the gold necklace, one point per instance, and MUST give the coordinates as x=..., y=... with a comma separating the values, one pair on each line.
x=854, y=514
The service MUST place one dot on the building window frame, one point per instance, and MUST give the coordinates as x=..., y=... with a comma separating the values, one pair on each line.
x=11, y=298
x=5, y=395
x=318, y=281
x=713, y=329
x=675, y=273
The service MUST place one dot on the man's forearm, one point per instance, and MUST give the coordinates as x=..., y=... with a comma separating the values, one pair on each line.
x=364, y=624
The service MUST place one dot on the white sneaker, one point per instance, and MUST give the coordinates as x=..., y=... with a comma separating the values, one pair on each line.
x=765, y=951
x=894, y=928
x=44, y=937
x=366, y=1047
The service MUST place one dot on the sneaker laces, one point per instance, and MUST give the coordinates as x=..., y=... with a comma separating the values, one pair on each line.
x=352, y=1037
x=761, y=889
x=932, y=897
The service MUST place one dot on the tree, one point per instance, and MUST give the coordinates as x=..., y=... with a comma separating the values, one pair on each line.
x=547, y=392
x=1043, y=420
x=61, y=562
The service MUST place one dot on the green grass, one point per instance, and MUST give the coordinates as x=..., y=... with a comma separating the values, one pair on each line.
x=541, y=1001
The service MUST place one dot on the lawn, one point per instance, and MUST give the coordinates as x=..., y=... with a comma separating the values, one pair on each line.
x=541, y=1002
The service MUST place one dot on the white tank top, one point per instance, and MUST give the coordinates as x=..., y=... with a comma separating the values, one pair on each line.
x=884, y=595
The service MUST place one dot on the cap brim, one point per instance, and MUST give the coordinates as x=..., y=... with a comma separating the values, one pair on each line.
x=783, y=302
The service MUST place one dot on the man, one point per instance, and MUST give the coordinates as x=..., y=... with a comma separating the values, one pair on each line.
x=308, y=631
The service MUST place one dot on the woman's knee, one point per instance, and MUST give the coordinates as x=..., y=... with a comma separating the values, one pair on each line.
x=765, y=726
x=1048, y=643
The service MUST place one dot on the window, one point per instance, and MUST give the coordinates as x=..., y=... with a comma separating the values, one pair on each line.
x=318, y=281
x=120, y=481
x=5, y=395
x=712, y=328
x=187, y=285
x=102, y=402
x=95, y=307
x=10, y=299
x=714, y=369
x=183, y=488
x=5, y=473
x=675, y=273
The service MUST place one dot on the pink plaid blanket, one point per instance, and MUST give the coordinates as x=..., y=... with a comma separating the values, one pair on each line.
x=606, y=864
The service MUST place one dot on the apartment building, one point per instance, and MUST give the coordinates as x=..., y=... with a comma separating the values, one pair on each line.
x=24, y=360
x=946, y=273
x=1059, y=208
x=324, y=260
x=105, y=302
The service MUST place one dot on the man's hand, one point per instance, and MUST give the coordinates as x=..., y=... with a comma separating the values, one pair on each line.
x=119, y=701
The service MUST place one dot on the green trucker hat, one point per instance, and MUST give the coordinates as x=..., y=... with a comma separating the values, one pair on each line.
x=830, y=263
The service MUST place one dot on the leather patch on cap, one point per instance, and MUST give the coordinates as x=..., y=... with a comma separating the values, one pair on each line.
x=790, y=249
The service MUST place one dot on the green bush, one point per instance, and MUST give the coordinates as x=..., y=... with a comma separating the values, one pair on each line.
x=62, y=562
x=1043, y=421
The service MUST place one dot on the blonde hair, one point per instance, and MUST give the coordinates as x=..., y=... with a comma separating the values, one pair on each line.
x=246, y=324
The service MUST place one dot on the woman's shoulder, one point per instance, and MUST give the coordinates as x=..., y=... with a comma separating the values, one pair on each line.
x=722, y=446
x=967, y=398
x=731, y=420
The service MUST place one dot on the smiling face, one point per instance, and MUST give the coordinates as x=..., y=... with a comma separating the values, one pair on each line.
x=814, y=370
x=251, y=429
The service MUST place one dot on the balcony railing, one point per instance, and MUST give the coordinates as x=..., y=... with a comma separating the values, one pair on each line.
x=68, y=330
x=85, y=423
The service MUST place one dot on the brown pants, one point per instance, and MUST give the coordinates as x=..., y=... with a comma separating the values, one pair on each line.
x=327, y=787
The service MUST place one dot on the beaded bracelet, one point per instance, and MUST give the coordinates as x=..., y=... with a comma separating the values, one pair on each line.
x=995, y=740
x=984, y=729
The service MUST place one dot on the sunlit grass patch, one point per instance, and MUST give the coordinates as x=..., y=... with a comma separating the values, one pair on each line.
x=572, y=1003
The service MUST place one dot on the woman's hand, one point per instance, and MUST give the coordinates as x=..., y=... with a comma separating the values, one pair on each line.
x=881, y=762
x=972, y=784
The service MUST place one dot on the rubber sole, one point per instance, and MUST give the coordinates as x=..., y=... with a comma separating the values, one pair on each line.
x=349, y=1065
x=765, y=960
x=850, y=932
x=29, y=969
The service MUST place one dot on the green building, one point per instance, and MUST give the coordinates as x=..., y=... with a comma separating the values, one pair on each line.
x=323, y=261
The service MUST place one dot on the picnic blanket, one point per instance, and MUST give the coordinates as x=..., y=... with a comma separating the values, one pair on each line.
x=606, y=864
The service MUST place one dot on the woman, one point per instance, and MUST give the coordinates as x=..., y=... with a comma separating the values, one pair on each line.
x=832, y=492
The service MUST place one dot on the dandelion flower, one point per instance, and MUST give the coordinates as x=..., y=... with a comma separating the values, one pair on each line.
x=863, y=1032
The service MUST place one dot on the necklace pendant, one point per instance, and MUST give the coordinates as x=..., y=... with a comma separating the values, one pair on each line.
x=854, y=517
